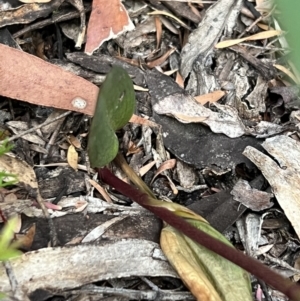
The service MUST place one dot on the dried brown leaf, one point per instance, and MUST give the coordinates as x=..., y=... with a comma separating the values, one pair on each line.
x=143, y=170
x=210, y=97
x=26, y=239
x=133, y=148
x=74, y=141
x=259, y=36
x=143, y=121
x=169, y=164
x=158, y=26
x=161, y=59
x=28, y=78
x=108, y=20
x=102, y=191
x=72, y=157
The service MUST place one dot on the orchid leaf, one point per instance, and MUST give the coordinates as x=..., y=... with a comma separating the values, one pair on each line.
x=207, y=275
x=115, y=106
x=205, y=238
x=185, y=263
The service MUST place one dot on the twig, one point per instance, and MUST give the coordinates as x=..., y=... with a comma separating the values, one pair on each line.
x=79, y=6
x=55, y=19
x=153, y=286
x=250, y=27
x=53, y=234
x=18, y=294
x=256, y=21
x=51, y=141
x=38, y=126
x=131, y=294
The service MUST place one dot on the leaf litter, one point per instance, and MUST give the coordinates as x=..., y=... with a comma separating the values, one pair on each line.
x=257, y=102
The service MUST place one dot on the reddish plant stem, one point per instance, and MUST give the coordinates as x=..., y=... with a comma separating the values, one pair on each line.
x=4, y=220
x=290, y=289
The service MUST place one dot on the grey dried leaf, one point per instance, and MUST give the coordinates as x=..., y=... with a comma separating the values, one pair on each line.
x=225, y=121
x=266, y=129
x=29, y=137
x=252, y=198
x=284, y=176
x=202, y=40
x=187, y=175
x=49, y=267
x=27, y=13
x=18, y=125
x=249, y=229
x=136, y=37
x=257, y=98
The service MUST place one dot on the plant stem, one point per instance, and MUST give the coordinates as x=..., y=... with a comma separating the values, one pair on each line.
x=290, y=289
x=134, y=178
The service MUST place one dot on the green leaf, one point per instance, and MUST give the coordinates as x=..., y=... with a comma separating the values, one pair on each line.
x=231, y=281
x=115, y=106
x=5, y=147
x=8, y=250
x=2, y=295
x=207, y=275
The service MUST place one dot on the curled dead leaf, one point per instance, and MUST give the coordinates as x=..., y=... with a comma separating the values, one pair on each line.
x=259, y=36
x=24, y=172
x=72, y=157
x=108, y=20
x=207, y=275
x=169, y=164
x=182, y=259
x=210, y=97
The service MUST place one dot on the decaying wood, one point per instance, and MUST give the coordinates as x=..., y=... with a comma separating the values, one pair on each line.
x=252, y=198
x=283, y=178
x=266, y=70
x=59, y=269
x=27, y=13
x=202, y=40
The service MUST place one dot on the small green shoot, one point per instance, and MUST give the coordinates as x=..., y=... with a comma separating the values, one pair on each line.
x=8, y=250
x=114, y=109
x=115, y=106
x=6, y=179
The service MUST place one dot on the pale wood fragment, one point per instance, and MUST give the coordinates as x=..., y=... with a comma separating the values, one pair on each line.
x=58, y=269
x=283, y=178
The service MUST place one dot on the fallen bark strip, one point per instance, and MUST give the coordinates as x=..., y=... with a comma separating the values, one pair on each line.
x=59, y=269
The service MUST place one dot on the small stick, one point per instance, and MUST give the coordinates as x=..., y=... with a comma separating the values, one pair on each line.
x=38, y=126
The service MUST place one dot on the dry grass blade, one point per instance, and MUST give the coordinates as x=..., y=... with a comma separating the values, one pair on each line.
x=287, y=72
x=169, y=164
x=161, y=12
x=210, y=97
x=161, y=60
x=102, y=191
x=158, y=26
x=259, y=36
